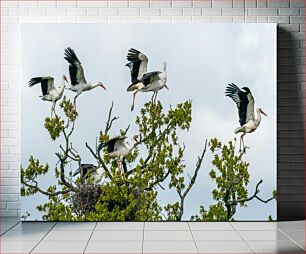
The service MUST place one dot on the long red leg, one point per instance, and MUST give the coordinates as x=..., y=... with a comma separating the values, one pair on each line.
x=134, y=96
x=242, y=139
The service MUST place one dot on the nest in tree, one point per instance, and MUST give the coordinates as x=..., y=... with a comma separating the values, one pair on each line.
x=85, y=199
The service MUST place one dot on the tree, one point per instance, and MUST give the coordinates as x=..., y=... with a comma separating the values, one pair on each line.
x=231, y=175
x=128, y=196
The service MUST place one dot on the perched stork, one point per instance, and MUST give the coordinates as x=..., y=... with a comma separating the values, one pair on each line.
x=90, y=174
x=77, y=77
x=119, y=148
x=141, y=79
x=49, y=91
x=245, y=104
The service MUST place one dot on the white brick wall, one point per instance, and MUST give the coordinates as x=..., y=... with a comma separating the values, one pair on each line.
x=288, y=13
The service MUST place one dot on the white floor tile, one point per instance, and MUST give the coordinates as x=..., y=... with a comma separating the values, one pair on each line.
x=253, y=226
x=60, y=247
x=169, y=247
x=297, y=236
x=276, y=247
x=34, y=226
x=106, y=236
x=167, y=236
x=223, y=247
x=70, y=236
x=211, y=226
x=17, y=247
x=68, y=226
x=23, y=236
x=114, y=247
x=291, y=225
x=257, y=235
x=119, y=226
x=166, y=226
x=216, y=236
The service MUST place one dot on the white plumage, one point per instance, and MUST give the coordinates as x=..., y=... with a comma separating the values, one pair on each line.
x=49, y=91
x=245, y=104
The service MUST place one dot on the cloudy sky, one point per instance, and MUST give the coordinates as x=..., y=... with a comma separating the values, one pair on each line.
x=202, y=59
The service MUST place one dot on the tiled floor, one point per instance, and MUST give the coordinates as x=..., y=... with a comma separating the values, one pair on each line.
x=160, y=237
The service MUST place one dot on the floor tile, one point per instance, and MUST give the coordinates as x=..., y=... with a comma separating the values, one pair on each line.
x=258, y=235
x=253, y=226
x=223, y=247
x=167, y=236
x=17, y=247
x=216, y=236
x=297, y=235
x=119, y=226
x=60, y=247
x=68, y=226
x=70, y=236
x=22, y=236
x=211, y=226
x=169, y=247
x=101, y=236
x=291, y=225
x=114, y=247
x=166, y=226
x=276, y=247
x=34, y=226
x=9, y=220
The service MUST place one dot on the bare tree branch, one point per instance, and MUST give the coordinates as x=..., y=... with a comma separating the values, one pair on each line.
x=99, y=159
x=110, y=120
x=192, y=182
x=50, y=194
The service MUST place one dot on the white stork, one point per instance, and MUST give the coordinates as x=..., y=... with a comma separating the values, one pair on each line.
x=141, y=79
x=245, y=104
x=90, y=174
x=119, y=148
x=77, y=77
x=49, y=91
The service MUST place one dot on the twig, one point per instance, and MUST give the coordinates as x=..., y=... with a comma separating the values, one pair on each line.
x=99, y=159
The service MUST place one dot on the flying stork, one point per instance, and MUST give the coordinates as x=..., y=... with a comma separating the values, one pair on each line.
x=90, y=174
x=119, y=148
x=245, y=104
x=77, y=77
x=141, y=79
x=49, y=91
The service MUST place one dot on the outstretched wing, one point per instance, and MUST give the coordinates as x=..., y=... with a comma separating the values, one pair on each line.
x=47, y=83
x=150, y=77
x=76, y=71
x=242, y=100
x=138, y=63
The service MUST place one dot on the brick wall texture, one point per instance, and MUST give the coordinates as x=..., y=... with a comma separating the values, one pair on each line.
x=288, y=14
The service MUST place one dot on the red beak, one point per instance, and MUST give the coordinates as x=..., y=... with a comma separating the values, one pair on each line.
x=263, y=113
x=102, y=86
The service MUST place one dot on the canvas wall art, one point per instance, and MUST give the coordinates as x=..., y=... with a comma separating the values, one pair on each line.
x=148, y=122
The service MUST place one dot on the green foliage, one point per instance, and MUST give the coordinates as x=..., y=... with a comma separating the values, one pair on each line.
x=54, y=126
x=216, y=212
x=69, y=109
x=124, y=196
x=230, y=173
x=30, y=174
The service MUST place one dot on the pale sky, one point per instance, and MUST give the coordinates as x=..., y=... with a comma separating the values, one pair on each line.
x=202, y=59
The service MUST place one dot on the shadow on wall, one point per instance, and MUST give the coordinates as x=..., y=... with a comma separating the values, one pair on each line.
x=290, y=130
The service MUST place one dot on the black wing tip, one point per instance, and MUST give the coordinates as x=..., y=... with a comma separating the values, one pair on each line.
x=34, y=81
x=246, y=89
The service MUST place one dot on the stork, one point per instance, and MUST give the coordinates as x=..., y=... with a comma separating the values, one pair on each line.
x=49, y=91
x=119, y=148
x=141, y=79
x=90, y=174
x=77, y=77
x=245, y=104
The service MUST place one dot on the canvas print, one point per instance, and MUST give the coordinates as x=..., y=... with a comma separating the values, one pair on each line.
x=148, y=122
